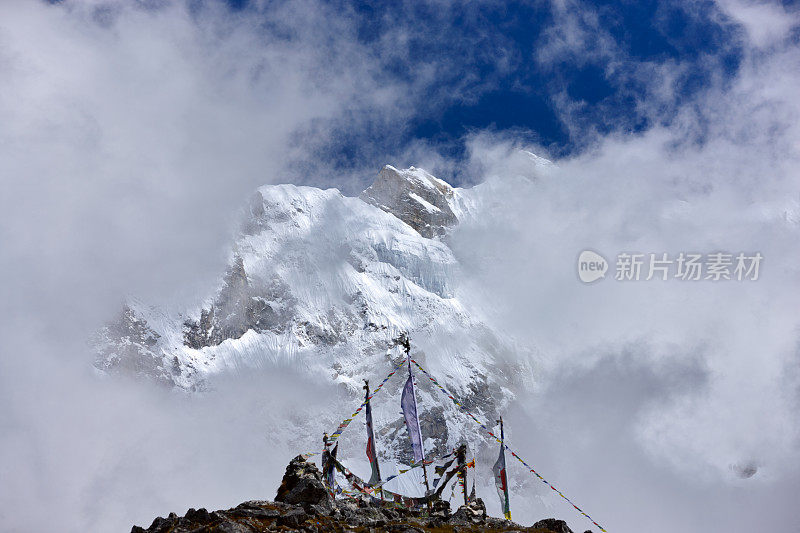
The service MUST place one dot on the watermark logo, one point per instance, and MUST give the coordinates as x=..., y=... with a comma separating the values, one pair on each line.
x=685, y=266
x=591, y=266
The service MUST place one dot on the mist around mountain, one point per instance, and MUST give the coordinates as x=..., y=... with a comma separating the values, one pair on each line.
x=325, y=284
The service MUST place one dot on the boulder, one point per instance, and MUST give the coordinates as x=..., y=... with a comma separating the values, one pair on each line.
x=440, y=509
x=255, y=509
x=472, y=513
x=551, y=524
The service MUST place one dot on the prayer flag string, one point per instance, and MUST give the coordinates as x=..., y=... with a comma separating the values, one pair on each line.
x=514, y=454
x=346, y=422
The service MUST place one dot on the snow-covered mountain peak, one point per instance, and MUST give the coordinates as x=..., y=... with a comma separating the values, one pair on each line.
x=324, y=284
x=419, y=199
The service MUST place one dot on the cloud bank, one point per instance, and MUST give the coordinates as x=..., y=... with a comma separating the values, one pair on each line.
x=130, y=136
x=664, y=402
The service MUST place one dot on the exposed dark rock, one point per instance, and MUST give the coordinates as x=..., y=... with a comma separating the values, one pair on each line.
x=128, y=346
x=302, y=485
x=441, y=509
x=263, y=516
x=199, y=514
x=415, y=197
x=551, y=524
x=293, y=517
x=472, y=513
x=240, y=306
x=255, y=509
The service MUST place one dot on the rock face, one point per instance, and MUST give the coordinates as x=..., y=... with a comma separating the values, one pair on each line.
x=239, y=307
x=129, y=346
x=415, y=197
x=303, y=504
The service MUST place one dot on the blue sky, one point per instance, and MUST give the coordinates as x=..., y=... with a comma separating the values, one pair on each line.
x=504, y=66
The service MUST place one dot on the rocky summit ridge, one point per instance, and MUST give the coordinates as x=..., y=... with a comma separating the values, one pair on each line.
x=303, y=504
x=416, y=197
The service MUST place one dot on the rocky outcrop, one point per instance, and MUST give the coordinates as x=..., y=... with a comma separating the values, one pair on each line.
x=472, y=513
x=415, y=197
x=129, y=346
x=302, y=485
x=551, y=524
x=239, y=307
x=345, y=515
x=303, y=504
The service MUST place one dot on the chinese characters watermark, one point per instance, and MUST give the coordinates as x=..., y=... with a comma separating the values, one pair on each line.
x=685, y=266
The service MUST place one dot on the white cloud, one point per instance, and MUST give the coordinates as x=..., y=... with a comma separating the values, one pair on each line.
x=130, y=134
x=677, y=385
x=765, y=23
